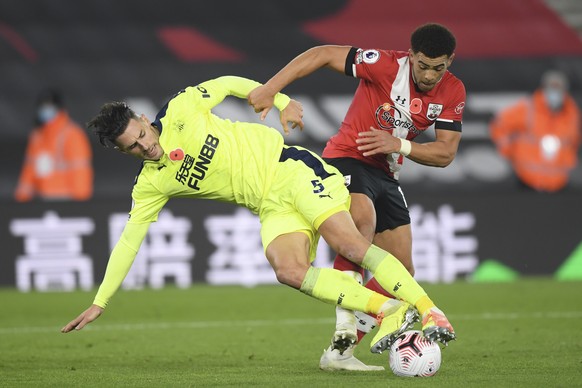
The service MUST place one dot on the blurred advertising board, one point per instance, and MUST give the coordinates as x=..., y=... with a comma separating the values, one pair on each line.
x=65, y=246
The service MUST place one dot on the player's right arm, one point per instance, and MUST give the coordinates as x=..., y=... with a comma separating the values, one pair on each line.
x=332, y=57
x=120, y=262
x=148, y=202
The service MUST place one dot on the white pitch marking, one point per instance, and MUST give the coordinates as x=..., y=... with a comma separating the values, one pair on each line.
x=284, y=322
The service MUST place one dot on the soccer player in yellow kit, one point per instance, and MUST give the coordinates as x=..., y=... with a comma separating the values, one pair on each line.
x=190, y=152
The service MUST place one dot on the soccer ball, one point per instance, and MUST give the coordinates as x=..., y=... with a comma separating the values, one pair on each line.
x=413, y=355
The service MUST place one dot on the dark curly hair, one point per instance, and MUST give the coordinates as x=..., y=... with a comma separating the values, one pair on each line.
x=433, y=40
x=111, y=121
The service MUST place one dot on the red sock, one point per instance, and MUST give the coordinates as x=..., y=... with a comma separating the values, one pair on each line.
x=342, y=264
x=375, y=286
x=361, y=335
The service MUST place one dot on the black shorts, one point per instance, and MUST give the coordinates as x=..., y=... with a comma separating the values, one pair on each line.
x=383, y=190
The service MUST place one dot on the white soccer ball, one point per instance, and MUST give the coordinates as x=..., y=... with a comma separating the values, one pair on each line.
x=413, y=355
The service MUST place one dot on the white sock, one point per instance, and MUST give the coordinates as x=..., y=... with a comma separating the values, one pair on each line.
x=345, y=319
x=364, y=322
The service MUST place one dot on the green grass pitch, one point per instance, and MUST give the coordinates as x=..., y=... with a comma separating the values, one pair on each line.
x=522, y=334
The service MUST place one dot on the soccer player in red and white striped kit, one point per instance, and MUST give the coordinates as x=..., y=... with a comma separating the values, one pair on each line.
x=400, y=95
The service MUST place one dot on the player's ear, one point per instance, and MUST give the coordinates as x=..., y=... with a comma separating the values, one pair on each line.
x=118, y=148
x=144, y=118
x=451, y=59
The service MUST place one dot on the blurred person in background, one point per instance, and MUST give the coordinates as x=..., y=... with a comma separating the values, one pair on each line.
x=400, y=95
x=540, y=135
x=58, y=159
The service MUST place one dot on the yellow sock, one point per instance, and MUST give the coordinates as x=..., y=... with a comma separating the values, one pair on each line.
x=335, y=287
x=394, y=278
x=424, y=304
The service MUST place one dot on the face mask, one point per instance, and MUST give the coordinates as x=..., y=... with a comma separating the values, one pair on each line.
x=554, y=98
x=46, y=113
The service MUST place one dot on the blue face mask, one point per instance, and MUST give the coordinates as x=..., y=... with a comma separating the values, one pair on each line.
x=554, y=98
x=46, y=113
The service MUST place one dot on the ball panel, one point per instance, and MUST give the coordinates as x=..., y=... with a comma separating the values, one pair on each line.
x=412, y=355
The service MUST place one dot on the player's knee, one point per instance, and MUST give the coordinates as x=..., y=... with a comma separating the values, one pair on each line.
x=290, y=275
x=367, y=230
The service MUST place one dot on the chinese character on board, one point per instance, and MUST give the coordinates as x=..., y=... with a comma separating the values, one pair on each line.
x=53, y=253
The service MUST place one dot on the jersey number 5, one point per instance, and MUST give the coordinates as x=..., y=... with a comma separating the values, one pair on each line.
x=317, y=186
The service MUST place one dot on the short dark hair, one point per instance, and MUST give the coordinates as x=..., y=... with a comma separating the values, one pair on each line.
x=433, y=40
x=112, y=120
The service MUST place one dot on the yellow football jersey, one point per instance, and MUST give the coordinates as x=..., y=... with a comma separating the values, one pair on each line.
x=206, y=156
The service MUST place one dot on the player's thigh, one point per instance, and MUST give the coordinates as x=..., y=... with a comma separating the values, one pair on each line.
x=341, y=234
x=398, y=242
x=313, y=188
x=361, y=180
x=364, y=215
x=391, y=207
x=393, y=231
x=305, y=192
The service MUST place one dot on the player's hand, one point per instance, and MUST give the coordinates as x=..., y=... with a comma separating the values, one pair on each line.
x=376, y=141
x=87, y=316
x=293, y=113
x=262, y=99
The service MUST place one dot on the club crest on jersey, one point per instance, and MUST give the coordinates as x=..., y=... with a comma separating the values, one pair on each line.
x=433, y=111
x=178, y=125
x=389, y=116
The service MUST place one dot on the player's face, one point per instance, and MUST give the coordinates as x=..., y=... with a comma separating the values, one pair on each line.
x=426, y=71
x=141, y=140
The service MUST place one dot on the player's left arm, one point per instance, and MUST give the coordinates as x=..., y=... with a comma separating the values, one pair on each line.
x=214, y=91
x=442, y=151
x=438, y=153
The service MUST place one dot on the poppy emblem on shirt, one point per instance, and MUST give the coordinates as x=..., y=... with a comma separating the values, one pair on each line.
x=416, y=106
x=177, y=155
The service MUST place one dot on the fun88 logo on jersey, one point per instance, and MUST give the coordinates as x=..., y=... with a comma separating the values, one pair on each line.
x=389, y=117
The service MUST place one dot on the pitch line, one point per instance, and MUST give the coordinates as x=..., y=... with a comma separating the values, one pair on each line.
x=278, y=322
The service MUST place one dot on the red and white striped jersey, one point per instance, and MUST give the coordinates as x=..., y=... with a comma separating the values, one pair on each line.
x=388, y=99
